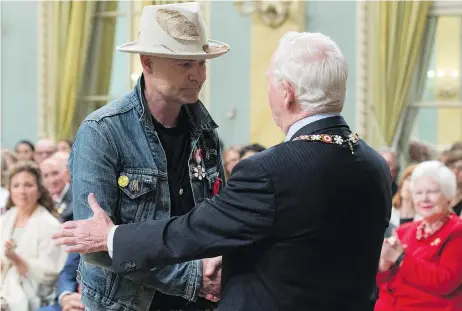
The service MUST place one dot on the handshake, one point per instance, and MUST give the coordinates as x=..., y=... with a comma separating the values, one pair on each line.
x=211, y=279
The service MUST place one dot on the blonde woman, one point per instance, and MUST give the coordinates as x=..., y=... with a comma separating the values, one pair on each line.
x=403, y=208
x=30, y=261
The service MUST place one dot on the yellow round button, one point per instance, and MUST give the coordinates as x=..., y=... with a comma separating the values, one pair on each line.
x=123, y=181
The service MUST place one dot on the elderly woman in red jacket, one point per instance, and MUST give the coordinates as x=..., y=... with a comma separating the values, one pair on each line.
x=420, y=267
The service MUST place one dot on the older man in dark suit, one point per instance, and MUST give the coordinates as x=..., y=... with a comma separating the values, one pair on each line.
x=300, y=225
x=55, y=174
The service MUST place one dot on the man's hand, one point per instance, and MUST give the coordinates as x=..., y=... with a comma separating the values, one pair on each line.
x=211, y=279
x=72, y=302
x=86, y=236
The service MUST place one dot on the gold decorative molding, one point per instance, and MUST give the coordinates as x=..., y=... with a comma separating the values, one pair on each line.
x=271, y=13
x=41, y=79
x=366, y=121
x=46, y=77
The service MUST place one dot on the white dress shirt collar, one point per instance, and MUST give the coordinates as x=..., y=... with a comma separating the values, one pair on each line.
x=303, y=122
x=63, y=193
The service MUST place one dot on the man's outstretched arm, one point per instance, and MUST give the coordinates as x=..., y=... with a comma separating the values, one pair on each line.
x=243, y=213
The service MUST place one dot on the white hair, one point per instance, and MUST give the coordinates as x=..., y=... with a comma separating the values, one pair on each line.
x=314, y=65
x=440, y=173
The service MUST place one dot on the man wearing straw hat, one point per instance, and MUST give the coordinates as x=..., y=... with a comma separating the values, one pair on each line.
x=152, y=154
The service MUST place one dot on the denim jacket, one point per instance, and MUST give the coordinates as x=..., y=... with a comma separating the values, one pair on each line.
x=120, y=140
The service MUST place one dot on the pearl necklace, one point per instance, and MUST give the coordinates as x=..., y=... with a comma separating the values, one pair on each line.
x=424, y=232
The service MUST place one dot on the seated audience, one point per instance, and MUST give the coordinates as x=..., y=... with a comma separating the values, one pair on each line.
x=419, y=152
x=420, y=267
x=402, y=206
x=64, y=145
x=454, y=162
x=8, y=160
x=456, y=146
x=29, y=260
x=444, y=156
x=250, y=150
x=24, y=150
x=392, y=160
x=63, y=158
x=56, y=177
x=67, y=294
x=44, y=149
x=230, y=158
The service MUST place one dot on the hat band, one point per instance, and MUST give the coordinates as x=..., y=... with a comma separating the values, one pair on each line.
x=191, y=48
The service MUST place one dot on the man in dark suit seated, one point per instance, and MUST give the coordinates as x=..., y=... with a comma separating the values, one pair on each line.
x=67, y=296
x=55, y=176
x=300, y=225
x=393, y=163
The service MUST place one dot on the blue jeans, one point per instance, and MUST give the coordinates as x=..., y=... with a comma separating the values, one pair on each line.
x=55, y=307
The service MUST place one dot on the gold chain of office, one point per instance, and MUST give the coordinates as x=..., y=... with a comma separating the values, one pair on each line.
x=352, y=139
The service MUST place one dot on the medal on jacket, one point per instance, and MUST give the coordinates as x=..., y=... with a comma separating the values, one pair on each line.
x=135, y=186
x=61, y=208
x=217, y=186
x=123, y=181
x=198, y=170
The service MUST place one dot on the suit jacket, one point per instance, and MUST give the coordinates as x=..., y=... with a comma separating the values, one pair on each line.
x=67, y=280
x=66, y=204
x=285, y=225
x=430, y=277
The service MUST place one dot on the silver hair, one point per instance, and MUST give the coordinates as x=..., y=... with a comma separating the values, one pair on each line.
x=316, y=68
x=440, y=173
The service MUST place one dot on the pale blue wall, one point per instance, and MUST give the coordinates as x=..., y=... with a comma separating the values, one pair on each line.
x=120, y=75
x=230, y=75
x=337, y=19
x=19, y=71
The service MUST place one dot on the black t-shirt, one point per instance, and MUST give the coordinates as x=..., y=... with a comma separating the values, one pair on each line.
x=176, y=144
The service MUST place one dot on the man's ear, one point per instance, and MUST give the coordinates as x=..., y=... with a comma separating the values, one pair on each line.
x=146, y=62
x=288, y=93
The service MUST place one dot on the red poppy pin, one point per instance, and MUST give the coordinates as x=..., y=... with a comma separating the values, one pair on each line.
x=216, y=186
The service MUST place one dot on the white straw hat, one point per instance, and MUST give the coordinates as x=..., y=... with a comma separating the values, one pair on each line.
x=174, y=30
